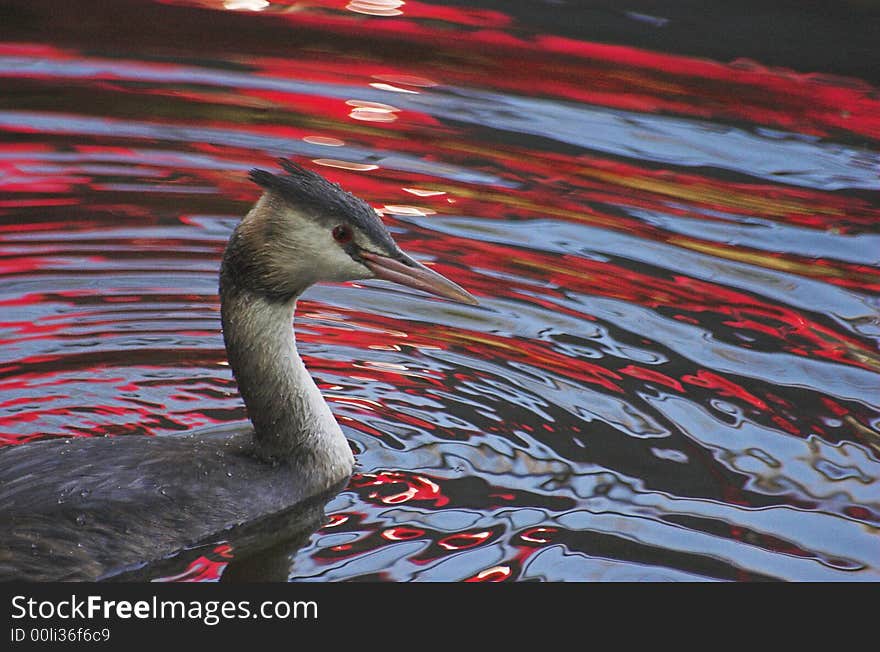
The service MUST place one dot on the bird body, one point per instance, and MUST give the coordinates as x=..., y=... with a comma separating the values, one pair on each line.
x=91, y=508
x=150, y=506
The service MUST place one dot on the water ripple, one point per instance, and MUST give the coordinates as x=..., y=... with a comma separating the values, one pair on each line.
x=673, y=370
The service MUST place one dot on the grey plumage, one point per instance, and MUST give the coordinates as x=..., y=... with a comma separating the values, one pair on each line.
x=64, y=517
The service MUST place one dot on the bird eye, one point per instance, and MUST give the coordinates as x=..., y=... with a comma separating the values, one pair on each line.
x=342, y=233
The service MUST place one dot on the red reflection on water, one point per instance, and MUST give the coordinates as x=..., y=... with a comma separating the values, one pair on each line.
x=436, y=544
x=464, y=540
x=708, y=304
x=725, y=387
x=652, y=376
x=402, y=533
x=397, y=487
x=206, y=568
x=499, y=573
x=538, y=536
x=393, y=487
x=597, y=73
x=460, y=493
x=769, y=404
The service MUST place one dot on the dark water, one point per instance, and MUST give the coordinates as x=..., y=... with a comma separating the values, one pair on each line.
x=673, y=373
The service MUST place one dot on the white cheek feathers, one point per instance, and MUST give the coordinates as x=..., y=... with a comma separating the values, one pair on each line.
x=296, y=250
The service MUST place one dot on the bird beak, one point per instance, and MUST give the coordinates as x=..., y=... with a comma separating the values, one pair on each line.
x=407, y=271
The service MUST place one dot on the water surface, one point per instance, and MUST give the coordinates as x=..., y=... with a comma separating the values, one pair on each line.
x=673, y=372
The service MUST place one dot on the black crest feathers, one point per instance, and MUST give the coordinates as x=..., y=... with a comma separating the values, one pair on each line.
x=305, y=188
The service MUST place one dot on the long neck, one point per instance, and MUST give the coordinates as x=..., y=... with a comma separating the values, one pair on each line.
x=292, y=422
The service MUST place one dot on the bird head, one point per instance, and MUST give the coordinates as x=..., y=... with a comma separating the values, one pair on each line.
x=305, y=229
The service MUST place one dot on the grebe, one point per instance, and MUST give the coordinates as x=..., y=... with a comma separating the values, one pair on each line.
x=91, y=508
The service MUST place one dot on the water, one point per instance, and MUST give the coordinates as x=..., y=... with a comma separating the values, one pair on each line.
x=673, y=372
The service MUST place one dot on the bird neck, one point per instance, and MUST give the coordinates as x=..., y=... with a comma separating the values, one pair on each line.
x=292, y=421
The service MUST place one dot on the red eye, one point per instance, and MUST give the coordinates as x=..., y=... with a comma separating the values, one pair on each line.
x=342, y=233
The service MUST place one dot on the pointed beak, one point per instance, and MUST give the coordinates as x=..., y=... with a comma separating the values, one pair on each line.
x=407, y=271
